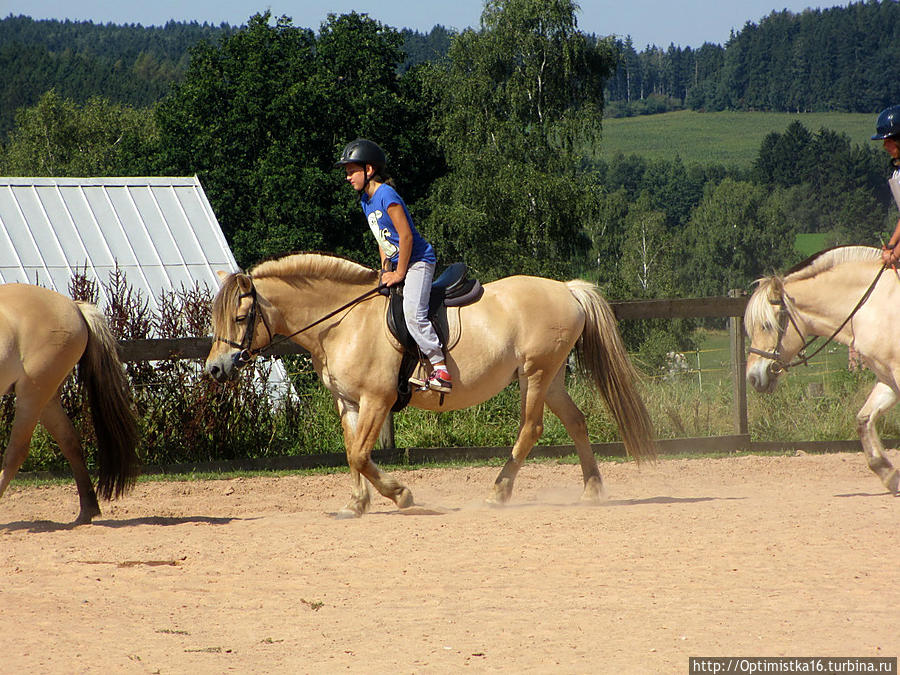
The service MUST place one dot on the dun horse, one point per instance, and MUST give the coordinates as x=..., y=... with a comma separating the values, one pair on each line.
x=839, y=293
x=43, y=335
x=522, y=328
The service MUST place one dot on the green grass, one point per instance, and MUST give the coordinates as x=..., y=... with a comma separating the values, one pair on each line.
x=729, y=138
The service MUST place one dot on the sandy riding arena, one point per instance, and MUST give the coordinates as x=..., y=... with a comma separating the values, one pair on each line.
x=749, y=556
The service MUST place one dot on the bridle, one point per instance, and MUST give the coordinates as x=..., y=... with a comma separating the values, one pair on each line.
x=255, y=314
x=784, y=316
x=245, y=346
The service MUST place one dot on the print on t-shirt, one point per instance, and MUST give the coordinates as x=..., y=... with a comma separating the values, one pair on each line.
x=381, y=234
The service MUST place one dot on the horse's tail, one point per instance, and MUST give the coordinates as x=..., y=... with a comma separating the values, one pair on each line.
x=601, y=354
x=109, y=395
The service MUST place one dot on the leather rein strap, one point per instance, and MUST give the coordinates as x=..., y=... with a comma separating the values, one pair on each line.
x=245, y=345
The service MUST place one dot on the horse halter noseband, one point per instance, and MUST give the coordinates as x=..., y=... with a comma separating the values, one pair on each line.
x=778, y=363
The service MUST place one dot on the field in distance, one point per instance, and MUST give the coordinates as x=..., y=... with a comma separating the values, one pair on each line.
x=728, y=138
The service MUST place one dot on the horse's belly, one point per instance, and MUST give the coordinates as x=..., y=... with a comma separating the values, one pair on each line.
x=473, y=383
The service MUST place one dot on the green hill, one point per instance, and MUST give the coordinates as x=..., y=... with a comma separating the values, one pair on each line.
x=729, y=138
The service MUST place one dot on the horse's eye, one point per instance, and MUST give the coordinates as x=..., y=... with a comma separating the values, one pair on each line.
x=240, y=318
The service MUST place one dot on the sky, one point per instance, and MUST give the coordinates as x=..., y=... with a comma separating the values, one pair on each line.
x=685, y=23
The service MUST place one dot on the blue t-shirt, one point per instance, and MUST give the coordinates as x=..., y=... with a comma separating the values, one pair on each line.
x=376, y=211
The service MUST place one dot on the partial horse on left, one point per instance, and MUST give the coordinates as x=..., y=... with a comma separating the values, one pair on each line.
x=43, y=336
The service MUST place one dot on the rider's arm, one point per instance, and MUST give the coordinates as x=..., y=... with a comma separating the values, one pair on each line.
x=404, y=233
x=891, y=253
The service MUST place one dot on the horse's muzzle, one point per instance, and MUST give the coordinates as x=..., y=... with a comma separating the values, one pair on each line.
x=226, y=366
x=763, y=376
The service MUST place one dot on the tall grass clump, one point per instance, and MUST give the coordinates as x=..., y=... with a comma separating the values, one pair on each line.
x=796, y=411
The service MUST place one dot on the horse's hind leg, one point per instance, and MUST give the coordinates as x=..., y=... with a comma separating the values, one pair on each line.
x=562, y=405
x=880, y=399
x=54, y=418
x=19, y=443
x=532, y=387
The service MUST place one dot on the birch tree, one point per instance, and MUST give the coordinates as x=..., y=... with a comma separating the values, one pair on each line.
x=519, y=102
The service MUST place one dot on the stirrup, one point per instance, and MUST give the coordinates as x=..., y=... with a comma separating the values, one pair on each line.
x=438, y=383
x=419, y=383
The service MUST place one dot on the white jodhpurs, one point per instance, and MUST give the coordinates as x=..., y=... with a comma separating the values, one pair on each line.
x=416, y=293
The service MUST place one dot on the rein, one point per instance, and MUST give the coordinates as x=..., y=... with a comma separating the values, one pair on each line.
x=782, y=328
x=247, y=352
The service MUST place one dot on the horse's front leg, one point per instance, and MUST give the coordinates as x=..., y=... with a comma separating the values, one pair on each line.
x=880, y=399
x=360, y=499
x=24, y=422
x=362, y=425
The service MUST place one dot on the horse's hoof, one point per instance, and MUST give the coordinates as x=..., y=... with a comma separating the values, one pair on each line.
x=501, y=494
x=85, y=517
x=404, y=499
x=593, y=492
x=497, y=500
x=893, y=482
x=347, y=514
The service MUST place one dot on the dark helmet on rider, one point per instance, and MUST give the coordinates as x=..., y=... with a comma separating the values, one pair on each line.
x=362, y=151
x=888, y=123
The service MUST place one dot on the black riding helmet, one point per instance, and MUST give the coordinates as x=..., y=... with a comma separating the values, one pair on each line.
x=888, y=123
x=362, y=151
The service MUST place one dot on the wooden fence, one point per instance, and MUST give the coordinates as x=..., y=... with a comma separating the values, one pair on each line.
x=730, y=307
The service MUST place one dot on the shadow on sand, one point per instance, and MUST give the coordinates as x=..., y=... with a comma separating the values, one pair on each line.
x=51, y=526
x=432, y=510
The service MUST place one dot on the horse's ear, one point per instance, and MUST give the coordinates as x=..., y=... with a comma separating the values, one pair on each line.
x=223, y=275
x=244, y=282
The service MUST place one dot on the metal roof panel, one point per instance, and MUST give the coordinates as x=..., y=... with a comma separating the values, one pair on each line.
x=160, y=231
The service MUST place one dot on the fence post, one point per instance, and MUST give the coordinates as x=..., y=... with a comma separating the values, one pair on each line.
x=738, y=368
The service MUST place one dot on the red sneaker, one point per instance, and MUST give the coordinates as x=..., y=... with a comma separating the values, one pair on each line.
x=439, y=380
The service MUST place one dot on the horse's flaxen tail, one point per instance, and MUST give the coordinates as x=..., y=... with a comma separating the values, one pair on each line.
x=601, y=354
x=115, y=424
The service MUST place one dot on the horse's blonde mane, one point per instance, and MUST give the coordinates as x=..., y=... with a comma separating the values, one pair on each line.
x=760, y=310
x=315, y=266
x=294, y=266
x=832, y=257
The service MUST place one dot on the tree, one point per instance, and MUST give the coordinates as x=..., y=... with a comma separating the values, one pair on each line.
x=738, y=232
x=58, y=137
x=517, y=104
x=646, y=250
x=231, y=121
x=604, y=226
x=128, y=65
x=262, y=116
x=785, y=159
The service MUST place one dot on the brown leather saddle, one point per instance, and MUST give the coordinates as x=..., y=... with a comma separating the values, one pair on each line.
x=452, y=288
